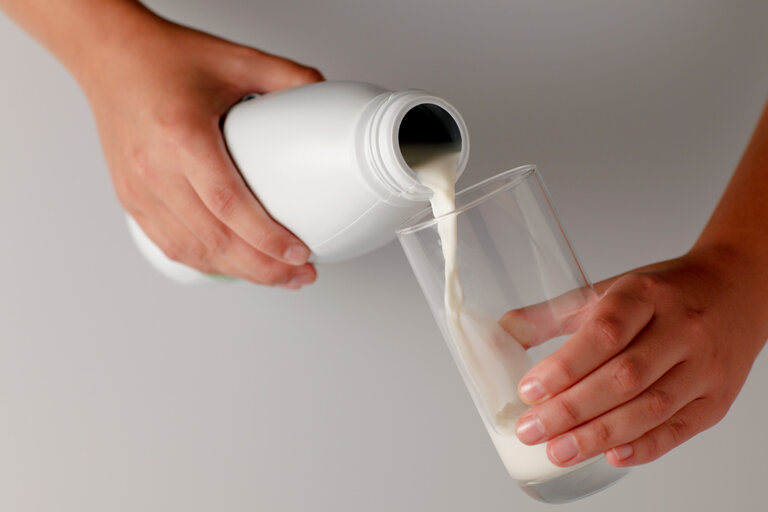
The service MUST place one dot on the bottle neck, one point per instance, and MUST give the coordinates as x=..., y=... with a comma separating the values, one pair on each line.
x=399, y=120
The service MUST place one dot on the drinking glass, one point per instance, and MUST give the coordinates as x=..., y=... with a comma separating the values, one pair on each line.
x=522, y=288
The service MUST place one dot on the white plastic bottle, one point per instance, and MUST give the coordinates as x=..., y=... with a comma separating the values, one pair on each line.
x=325, y=161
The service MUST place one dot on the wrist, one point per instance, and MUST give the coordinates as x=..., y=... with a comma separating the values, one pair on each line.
x=738, y=274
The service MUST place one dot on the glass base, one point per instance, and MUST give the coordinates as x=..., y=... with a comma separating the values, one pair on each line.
x=577, y=484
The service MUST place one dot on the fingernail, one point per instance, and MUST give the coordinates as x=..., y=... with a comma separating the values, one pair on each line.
x=623, y=452
x=563, y=449
x=297, y=254
x=301, y=280
x=531, y=390
x=530, y=430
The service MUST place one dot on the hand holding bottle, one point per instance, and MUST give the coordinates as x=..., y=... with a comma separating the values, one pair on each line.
x=158, y=91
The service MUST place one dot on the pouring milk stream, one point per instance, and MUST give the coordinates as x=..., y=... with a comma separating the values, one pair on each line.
x=494, y=360
x=354, y=191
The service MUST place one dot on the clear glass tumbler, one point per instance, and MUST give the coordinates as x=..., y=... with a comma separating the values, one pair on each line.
x=511, y=254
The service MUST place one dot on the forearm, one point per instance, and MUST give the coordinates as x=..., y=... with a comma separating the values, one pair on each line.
x=741, y=218
x=82, y=34
x=738, y=228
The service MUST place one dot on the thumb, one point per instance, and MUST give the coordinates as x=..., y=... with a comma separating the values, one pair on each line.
x=602, y=286
x=265, y=72
x=537, y=323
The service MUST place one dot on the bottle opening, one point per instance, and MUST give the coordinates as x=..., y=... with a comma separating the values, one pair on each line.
x=426, y=131
x=407, y=130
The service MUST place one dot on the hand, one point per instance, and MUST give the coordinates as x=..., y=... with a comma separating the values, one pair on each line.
x=658, y=359
x=158, y=99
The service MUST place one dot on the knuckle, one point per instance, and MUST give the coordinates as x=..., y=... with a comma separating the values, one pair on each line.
x=644, y=283
x=601, y=433
x=173, y=118
x=268, y=241
x=179, y=126
x=678, y=430
x=564, y=371
x=659, y=403
x=197, y=252
x=222, y=200
x=218, y=240
x=570, y=411
x=142, y=166
x=608, y=332
x=627, y=376
x=649, y=448
x=694, y=320
x=183, y=136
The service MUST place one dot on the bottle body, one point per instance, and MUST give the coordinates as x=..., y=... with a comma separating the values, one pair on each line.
x=299, y=154
x=324, y=160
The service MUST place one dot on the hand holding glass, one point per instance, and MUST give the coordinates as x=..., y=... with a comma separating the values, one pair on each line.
x=516, y=264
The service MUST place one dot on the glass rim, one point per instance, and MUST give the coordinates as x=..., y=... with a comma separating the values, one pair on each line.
x=407, y=227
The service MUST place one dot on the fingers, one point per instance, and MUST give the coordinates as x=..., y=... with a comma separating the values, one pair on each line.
x=540, y=322
x=265, y=270
x=686, y=423
x=616, y=382
x=224, y=247
x=222, y=190
x=628, y=422
x=619, y=316
x=180, y=244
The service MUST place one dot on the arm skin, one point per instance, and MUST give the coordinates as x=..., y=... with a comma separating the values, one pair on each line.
x=666, y=349
x=158, y=91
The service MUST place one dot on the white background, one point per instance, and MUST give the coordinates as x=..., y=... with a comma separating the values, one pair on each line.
x=120, y=391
